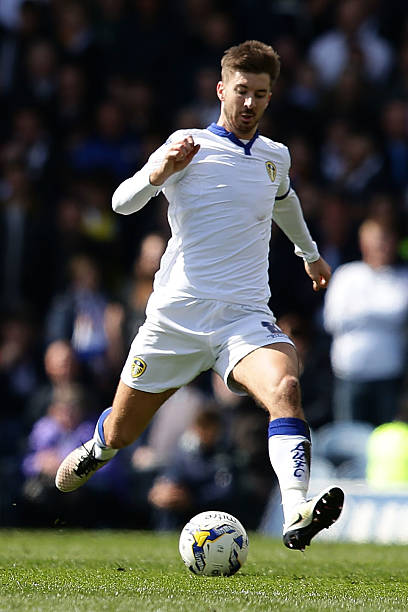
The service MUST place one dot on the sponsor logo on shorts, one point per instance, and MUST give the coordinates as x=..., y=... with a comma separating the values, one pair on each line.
x=275, y=331
x=271, y=170
x=138, y=367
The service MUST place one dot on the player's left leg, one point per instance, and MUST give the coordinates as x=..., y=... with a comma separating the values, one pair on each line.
x=270, y=375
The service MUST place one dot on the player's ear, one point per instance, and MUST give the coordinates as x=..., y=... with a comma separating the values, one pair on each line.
x=220, y=90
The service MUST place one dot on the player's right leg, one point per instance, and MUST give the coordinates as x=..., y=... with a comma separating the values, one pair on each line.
x=170, y=350
x=116, y=428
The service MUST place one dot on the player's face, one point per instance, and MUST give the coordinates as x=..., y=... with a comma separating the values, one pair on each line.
x=244, y=97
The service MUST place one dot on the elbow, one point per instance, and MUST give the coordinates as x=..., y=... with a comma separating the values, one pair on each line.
x=130, y=197
x=118, y=206
x=116, y=202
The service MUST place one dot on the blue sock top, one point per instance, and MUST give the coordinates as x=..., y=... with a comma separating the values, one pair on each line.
x=289, y=427
x=100, y=424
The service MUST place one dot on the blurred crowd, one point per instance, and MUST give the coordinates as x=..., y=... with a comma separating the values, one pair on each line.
x=88, y=89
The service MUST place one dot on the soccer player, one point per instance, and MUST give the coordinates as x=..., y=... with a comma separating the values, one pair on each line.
x=209, y=307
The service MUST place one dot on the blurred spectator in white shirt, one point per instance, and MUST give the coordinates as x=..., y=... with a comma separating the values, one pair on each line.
x=354, y=40
x=366, y=311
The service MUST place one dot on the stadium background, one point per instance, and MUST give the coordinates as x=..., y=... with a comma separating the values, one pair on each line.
x=87, y=90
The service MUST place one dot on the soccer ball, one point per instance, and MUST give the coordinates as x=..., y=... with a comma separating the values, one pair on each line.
x=213, y=543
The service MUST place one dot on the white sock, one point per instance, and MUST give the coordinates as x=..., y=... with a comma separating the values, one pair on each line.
x=290, y=459
x=102, y=451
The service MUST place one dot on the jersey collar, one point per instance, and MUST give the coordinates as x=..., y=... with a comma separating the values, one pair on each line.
x=221, y=131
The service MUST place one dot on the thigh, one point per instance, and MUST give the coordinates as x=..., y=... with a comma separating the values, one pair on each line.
x=262, y=371
x=249, y=329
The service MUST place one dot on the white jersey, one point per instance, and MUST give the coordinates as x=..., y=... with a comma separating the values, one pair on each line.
x=220, y=212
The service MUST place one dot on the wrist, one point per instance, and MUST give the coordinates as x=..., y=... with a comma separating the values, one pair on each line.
x=311, y=258
x=158, y=177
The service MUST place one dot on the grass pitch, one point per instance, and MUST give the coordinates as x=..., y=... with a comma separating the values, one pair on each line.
x=132, y=571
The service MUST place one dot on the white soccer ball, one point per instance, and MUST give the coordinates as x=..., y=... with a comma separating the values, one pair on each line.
x=213, y=543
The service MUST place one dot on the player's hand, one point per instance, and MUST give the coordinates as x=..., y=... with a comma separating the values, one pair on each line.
x=320, y=273
x=178, y=156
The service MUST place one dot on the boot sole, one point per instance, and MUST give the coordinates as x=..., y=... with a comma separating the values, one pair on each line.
x=326, y=512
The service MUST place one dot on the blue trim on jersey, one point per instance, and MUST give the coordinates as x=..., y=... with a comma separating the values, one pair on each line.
x=285, y=195
x=101, y=421
x=221, y=131
x=288, y=427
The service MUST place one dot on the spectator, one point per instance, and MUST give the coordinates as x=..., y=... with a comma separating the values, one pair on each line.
x=109, y=21
x=140, y=107
x=84, y=316
x=60, y=428
x=387, y=453
x=22, y=240
x=387, y=462
x=361, y=175
x=64, y=426
x=137, y=290
x=395, y=127
x=61, y=370
x=73, y=107
x=355, y=40
x=158, y=443
x=75, y=38
x=19, y=371
x=68, y=238
x=200, y=476
x=400, y=88
x=351, y=99
x=111, y=148
x=137, y=38
x=97, y=224
x=303, y=168
x=337, y=231
x=203, y=103
x=37, y=84
x=366, y=311
x=255, y=479
x=26, y=26
x=333, y=150
x=304, y=97
x=30, y=144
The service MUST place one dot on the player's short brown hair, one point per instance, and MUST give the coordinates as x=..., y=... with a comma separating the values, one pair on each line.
x=251, y=56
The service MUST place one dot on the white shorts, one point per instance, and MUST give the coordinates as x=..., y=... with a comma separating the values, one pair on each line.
x=183, y=337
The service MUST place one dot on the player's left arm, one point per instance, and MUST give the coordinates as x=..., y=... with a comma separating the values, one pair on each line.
x=288, y=215
x=320, y=273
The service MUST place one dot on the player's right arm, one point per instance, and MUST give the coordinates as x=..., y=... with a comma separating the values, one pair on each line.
x=168, y=160
x=177, y=157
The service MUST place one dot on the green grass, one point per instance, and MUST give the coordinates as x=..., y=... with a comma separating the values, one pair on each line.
x=133, y=571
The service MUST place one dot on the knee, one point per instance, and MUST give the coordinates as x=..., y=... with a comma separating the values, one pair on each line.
x=289, y=390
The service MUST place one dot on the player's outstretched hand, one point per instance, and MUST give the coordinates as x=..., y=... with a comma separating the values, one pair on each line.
x=320, y=273
x=178, y=156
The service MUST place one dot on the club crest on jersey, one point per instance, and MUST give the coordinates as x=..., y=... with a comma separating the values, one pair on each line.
x=138, y=367
x=271, y=170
